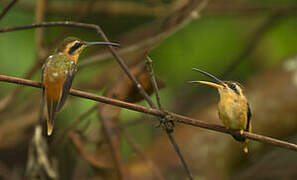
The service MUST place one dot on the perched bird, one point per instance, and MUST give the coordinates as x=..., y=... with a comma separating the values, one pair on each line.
x=234, y=110
x=58, y=72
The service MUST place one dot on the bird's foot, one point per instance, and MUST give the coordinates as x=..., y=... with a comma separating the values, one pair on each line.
x=241, y=132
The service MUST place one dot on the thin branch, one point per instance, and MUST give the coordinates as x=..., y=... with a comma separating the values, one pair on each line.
x=155, y=112
x=180, y=155
x=169, y=132
x=153, y=80
x=7, y=8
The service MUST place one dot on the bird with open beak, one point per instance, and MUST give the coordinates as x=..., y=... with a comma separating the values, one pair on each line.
x=234, y=110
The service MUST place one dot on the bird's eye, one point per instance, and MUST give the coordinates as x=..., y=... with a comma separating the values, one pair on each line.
x=232, y=86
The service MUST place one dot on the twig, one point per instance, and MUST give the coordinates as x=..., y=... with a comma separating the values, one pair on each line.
x=7, y=8
x=153, y=80
x=137, y=149
x=180, y=155
x=155, y=112
x=169, y=132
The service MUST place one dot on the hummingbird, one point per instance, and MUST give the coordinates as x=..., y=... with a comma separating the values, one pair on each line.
x=233, y=106
x=58, y=72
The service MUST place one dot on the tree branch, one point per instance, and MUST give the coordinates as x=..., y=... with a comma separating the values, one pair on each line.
x=168, y=131
x=7, y=8
x=177, y=118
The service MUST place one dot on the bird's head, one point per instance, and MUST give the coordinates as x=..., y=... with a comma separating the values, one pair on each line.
x=225, y=88
x=72, y=47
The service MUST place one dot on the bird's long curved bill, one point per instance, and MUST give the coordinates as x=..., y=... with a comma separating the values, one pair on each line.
x=209, y=75
x=208, y=83
x=102, y=43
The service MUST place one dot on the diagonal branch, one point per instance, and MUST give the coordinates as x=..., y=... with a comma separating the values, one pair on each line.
x=155, y=112
x=7, y=8
x=153, y=80
x=169, y=132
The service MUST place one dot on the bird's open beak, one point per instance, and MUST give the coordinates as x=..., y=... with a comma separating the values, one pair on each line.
x=219, y=86
x=102, y=43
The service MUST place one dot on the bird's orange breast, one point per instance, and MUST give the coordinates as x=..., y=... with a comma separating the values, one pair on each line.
x=53, y=84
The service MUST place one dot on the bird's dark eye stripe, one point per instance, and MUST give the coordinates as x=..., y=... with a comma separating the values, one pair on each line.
x=74, y=47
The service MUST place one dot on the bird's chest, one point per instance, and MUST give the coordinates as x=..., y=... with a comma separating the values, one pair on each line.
x=232, y=113
x=57, y=71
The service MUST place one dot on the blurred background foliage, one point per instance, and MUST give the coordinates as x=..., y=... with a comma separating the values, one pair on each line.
x=258, y=34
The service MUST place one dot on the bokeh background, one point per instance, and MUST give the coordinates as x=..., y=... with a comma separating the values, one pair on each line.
x=249, y=41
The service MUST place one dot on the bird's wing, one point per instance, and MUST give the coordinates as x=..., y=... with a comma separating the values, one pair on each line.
x=67, y=85
x=249, y=116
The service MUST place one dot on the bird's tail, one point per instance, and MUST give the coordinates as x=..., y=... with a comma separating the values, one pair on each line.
x=51, y=109
x=245, y=146
x=243, y=140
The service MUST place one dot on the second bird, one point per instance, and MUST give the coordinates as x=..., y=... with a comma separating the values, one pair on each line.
x=234, y=110
x=58, y=72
